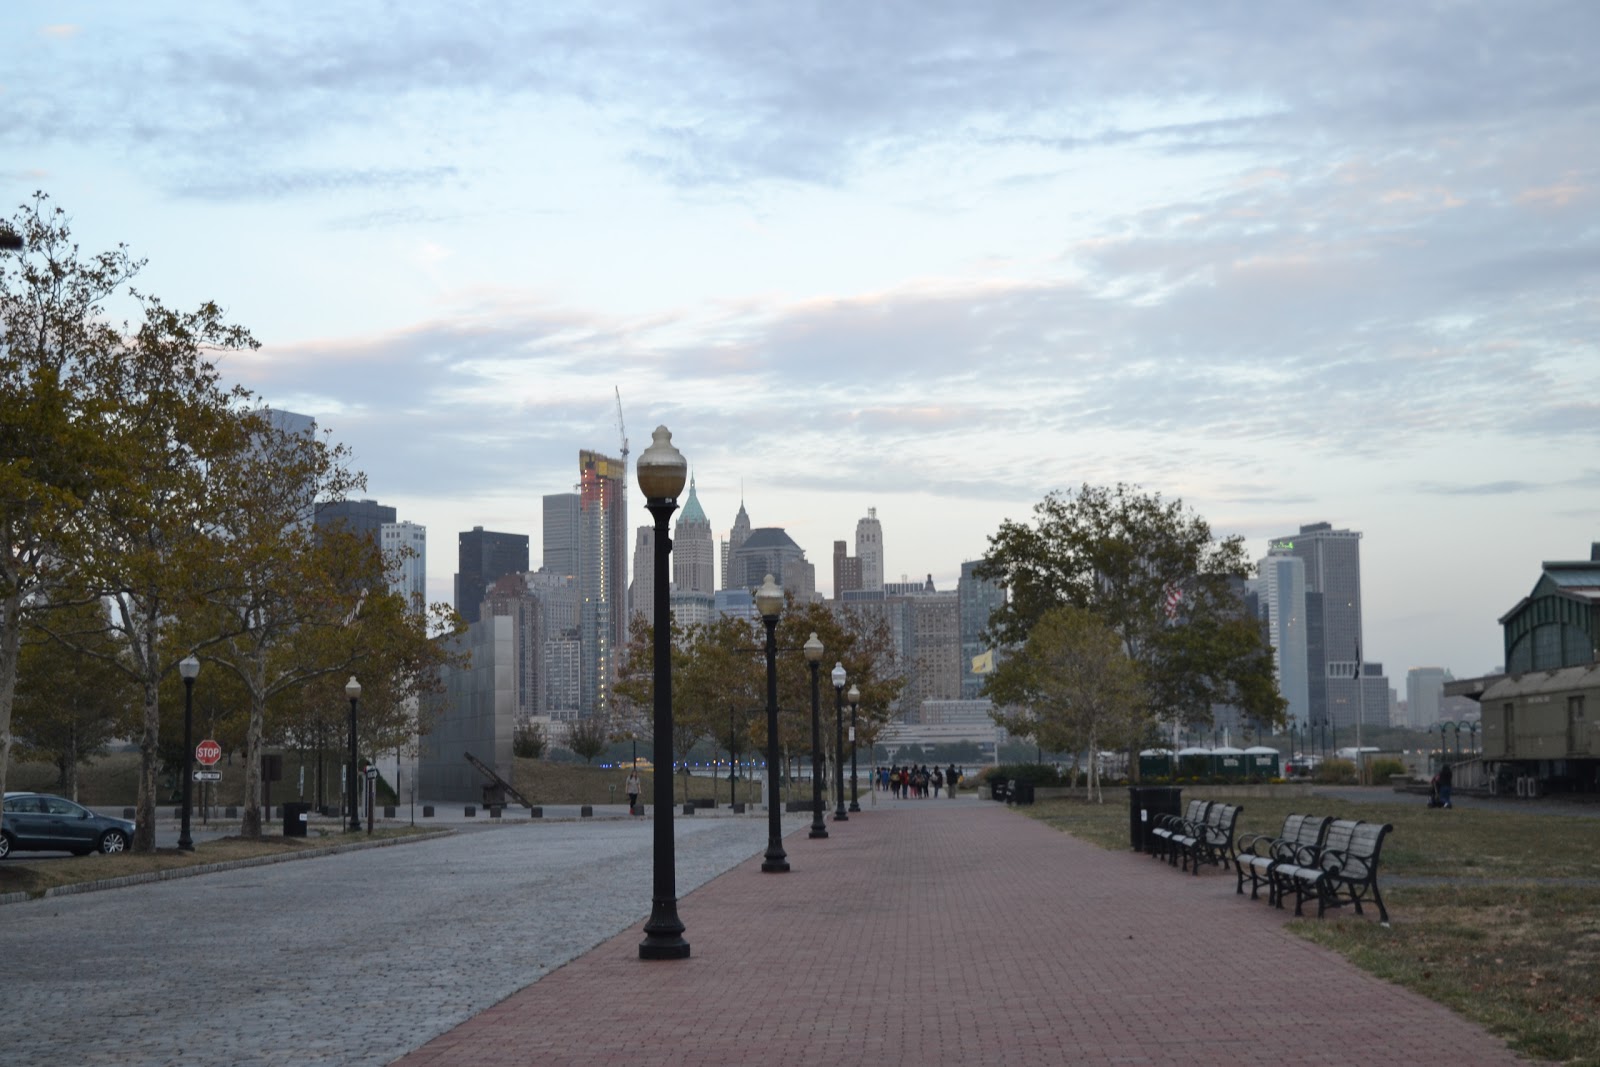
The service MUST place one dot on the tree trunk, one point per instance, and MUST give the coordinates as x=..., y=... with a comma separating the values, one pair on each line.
x=10, y=649
x=148, y=649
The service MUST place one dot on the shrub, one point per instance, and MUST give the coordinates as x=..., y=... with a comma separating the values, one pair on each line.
x=1037, y=774
x=1383, y=768
x=1336, y=772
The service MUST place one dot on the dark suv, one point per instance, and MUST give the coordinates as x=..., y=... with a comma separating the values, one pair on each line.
x=39, y=822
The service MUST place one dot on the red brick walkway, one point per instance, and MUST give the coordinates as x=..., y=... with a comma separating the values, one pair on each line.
x=945, y=933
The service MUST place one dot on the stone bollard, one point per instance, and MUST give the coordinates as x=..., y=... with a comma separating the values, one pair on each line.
x=471, y=811
x=688, y=809
x=586, y=811
x=388, y=811
x=535, y=813
x=427, y=811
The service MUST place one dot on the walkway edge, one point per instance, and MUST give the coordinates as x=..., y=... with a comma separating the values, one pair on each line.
x=22, y=896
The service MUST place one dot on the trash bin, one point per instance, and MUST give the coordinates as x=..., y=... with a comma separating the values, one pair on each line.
x=1145, y=802
x=1023, y=793
x=294, y=819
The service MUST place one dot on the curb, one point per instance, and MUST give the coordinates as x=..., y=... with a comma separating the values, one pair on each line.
x=211, y=868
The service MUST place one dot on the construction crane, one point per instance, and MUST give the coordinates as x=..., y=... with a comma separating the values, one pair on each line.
x=622, y=430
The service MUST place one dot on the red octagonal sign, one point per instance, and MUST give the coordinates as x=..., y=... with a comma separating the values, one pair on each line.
x=208, y=752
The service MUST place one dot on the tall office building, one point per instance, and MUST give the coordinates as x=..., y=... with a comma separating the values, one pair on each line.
x=978, y=598
x=694, y=565
x=769, y=550
x=869, y=549
x=364, y=518
x=1282, y=603
x=1424, y=691
x=405, y=551
x=736, y=539
x=484, y=556
x=846, y=571
x=642, y=593
x=602, y=574
x=1333, y=623
x=561, y=533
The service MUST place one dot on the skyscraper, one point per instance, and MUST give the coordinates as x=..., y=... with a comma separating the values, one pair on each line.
x=978, y=599
x=483, y=556
x=405, y=550
x=602, y=574
x=846, y=571
x=694, y=565
x=735, y=541
x=869, y=549
x=1282, y=588
x=362, y=517
x=642, y=593
x=1424, y=691
x=561, y=533
x=1333, y=622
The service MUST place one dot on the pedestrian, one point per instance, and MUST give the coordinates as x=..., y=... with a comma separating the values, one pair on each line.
x=938, y=782
x=951, y=777
x=1445, y=778
x=633, y=790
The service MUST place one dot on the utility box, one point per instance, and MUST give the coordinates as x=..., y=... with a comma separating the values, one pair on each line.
x=295, y=817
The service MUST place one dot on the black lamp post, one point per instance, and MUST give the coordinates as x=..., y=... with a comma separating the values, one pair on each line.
x=813, y=651
x=661, y=471
x=189, y=667
x=839, y=814
x=769, y=602
x=352, y=689
x=855, y=703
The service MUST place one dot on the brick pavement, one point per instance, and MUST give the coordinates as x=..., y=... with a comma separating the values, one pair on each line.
x=962, y=933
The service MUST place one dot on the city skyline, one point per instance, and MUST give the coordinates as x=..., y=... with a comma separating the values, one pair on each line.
x=1289, y=265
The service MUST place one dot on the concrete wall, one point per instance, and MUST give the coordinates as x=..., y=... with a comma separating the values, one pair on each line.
x=476, y=714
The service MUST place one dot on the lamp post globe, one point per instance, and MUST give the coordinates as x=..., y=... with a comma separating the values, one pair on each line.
x=769, y=602
x=854, y=697
x=838, y=678
x=352, y=689
x=661, y=472
x=813, y=651
x=189, y=669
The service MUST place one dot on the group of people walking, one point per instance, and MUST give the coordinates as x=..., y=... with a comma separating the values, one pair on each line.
x=916, y=780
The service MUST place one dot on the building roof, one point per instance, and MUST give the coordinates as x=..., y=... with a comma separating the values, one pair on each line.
x=692, y=512
x=768, y=537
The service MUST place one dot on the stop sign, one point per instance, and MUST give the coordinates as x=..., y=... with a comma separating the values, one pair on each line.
x=208, y=752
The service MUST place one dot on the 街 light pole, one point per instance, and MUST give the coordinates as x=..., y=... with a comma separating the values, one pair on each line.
x=769, y=602
x=189, y=668
x=813, y=651
x=854, y=697
x=661, y=471
x=352, y=689
x=839, y=814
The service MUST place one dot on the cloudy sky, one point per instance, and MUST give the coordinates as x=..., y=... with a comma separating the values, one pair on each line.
x=1287, y=262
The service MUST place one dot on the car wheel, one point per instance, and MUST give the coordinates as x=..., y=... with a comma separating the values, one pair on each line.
x=113, y=841
x=5, y=845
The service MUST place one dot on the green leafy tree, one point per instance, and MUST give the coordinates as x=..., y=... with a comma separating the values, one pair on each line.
x=54, y=342
x=70, y=706
x=1071, y=687
x=530, y=741
x=588, y=737
x=1151, y=571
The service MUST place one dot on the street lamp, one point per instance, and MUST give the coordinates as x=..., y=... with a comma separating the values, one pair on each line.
x=661, y=472
x=189, y=667
x=854, y=697
x=352, y=689
x=839, y=814
x=813, y=651
x=769, y=602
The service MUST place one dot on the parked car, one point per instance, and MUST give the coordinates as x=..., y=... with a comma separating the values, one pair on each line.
x=40, y=822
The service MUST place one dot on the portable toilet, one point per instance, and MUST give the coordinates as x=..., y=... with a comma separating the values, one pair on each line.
x=1262, y=761
x=1194, y=762
x=1228, y=762
x=1155, y=763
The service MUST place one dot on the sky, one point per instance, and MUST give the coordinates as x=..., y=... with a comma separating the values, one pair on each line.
x=1288, y=263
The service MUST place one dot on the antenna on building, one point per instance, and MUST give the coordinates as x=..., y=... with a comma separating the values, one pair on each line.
x=622, y=431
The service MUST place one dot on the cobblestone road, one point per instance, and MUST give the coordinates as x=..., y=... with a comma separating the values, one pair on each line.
x=354, y=958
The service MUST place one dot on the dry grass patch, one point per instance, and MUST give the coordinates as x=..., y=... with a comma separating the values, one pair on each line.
x=34, y=877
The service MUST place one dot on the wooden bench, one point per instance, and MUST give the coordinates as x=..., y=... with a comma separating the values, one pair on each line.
x=1344, y=872
x=1260, y=854
x=1210, y=841
x=1167, y=824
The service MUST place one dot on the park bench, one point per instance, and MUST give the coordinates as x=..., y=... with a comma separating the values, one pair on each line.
x=1167, y=824
x=1210, y=841
x=1345, y=871
x=1259, y=854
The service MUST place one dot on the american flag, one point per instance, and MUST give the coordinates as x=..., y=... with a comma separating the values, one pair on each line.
x=1174, y=596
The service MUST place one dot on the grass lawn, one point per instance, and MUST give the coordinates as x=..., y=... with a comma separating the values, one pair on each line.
x=1495, y=913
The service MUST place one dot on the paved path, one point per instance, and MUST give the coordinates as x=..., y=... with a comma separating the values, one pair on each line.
x=962, y=933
